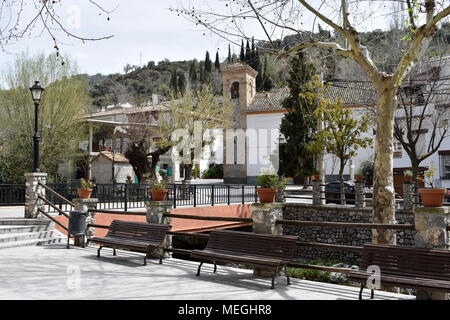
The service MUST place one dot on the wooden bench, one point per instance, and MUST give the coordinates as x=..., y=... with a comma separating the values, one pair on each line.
x=267, y=252
x=134, y=236
x=405, y=267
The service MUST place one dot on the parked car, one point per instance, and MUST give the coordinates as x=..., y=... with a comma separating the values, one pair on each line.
x=332, y=192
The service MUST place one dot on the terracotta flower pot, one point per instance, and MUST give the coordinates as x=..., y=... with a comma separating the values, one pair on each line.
x=359, y=178
x=267, y=195
x=159, y=194
x=432, y=197
x=84, y=193
x=315, y=177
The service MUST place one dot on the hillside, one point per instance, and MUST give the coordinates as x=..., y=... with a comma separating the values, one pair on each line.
x=137, y=84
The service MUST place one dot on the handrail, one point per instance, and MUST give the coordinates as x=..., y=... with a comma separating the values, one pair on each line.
x=56, y=194
x=53, y=219
x=128, y=213
x=53, y=206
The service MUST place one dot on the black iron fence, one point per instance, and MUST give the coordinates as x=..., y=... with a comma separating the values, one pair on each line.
x=12, y=194
x=129, y=196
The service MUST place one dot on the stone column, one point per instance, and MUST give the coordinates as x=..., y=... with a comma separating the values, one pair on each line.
x=408, y=195
x=316, y=194
x=431, y=232
x=280, y=196
x=155, y=211
x=84, y=204
x=33, y=190
x=359, y=195
x=264, y=216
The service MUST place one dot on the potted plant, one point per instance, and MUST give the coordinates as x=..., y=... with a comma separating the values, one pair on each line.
x=407, y=175
x=159, y=191
x=315, y=175
x=85, y=190
x=359, y=176
x=268, y=186
x=431, y=197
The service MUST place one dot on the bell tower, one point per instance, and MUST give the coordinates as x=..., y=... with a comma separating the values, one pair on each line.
x=239, y=89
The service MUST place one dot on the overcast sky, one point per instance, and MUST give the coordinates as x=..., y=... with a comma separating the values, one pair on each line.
x=143, y=30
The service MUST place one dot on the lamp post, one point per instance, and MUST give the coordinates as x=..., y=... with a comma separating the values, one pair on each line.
x=36, y=93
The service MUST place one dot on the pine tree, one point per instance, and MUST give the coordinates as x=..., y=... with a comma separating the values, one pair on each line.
x=242, y=54
x=298, y=125
x=217, y=62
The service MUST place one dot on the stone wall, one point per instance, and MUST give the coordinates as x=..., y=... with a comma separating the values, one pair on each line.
x=335, y=235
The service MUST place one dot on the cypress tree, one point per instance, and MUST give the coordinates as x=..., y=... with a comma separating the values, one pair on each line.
x=193, y=71
x=248, y=53
x=217, y=62
x=297, y=125
x=242, y=54
x=229, y=53
x=181, y=82
x=173, y=81
x=208, y=65
x=260, y=77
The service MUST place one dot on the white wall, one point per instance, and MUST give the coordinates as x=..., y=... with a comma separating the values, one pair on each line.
x=102, y=171
x=262, y=145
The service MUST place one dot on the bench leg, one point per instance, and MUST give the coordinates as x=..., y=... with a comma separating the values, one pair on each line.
x=273, y=280
x=287, y=275
x=372, y=293
x=98, y=251
x=68, y=239
x=114, y=252
x=215, y=267
x=198, y=270
x=361, y=290
x=145, y=259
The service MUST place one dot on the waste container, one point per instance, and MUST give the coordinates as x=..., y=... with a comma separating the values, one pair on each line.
x=77, y=227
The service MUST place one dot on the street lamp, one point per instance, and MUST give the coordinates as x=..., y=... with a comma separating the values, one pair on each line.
x=36, y=93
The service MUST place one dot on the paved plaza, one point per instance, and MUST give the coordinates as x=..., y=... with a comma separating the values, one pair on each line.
x=54, y=272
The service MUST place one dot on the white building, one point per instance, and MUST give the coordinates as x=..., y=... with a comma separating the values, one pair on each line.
x=110, y=166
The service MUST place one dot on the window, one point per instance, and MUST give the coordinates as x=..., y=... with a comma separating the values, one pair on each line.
x=398, y=150
x=235, y=90
x=444, y=161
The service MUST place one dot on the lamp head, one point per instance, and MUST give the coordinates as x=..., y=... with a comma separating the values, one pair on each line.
x=36, y=91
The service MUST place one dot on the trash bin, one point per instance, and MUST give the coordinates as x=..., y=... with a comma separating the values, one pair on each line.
x=77, y=227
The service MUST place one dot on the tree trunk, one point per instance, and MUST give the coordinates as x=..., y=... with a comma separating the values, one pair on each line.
x=341, y=183
x=187, y=171
x=383, y=188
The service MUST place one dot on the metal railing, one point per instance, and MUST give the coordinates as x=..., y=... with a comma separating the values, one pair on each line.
x=129, y=196
x=12, y=194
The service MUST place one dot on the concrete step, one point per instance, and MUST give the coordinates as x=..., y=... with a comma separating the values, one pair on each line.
x=33, y=242
x=6, y=229
x=11, y=237
x=22, y=222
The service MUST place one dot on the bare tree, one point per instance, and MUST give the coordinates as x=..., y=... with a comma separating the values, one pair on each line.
x=28, y=18
x=424, y=103
x=277, y=18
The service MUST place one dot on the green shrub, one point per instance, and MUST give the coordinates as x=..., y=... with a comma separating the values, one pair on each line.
x=215, y=171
